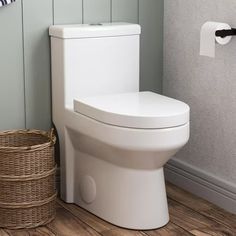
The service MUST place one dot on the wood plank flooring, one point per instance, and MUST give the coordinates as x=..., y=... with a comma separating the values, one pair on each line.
x=189, y=215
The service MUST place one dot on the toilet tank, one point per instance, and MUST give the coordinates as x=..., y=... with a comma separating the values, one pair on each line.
x=90, y=60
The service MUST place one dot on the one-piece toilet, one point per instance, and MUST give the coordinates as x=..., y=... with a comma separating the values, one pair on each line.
x=114, y=140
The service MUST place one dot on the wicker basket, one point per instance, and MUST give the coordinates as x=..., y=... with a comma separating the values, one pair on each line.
x=27, y=178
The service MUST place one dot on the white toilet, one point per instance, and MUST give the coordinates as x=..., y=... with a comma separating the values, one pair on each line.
x=114, y=140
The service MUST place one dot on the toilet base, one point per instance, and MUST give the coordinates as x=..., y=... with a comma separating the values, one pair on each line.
x=129, y=198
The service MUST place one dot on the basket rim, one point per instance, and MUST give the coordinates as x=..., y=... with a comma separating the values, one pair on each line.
x=50, y=135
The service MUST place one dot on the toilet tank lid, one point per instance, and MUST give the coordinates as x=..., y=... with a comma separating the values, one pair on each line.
x=94, y=30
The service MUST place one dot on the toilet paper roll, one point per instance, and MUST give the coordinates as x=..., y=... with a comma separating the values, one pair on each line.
x=208, y=39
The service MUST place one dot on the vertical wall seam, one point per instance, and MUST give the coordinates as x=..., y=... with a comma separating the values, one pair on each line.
x=53, y=22
x=140, y=48
x=53, y=12
x=23, y=62
x=111, y=15
x=82, y=11
x=138, y=4
x=162, y=72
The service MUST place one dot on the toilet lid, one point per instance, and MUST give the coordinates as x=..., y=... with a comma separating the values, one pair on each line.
x=144, y=110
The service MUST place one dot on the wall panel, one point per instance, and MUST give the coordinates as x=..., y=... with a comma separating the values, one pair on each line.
x=123, y=10
x=68, y=11
x=151, y=20
x=38, y=16
x=12, y=114
x=97, y=11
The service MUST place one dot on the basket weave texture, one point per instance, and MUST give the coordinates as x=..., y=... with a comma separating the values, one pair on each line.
x=27, y=178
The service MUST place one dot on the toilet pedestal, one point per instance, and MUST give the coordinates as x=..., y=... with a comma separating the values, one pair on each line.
x=129, y=198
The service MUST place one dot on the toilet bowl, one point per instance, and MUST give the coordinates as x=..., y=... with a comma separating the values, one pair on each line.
x=114, y=140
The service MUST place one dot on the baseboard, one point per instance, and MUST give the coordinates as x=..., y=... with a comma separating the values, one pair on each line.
x=202, y=184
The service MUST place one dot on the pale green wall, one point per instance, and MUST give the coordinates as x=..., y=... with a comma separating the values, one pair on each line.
x=25, y=100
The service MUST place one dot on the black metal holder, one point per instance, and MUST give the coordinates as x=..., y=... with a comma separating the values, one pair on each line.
x=225, y=33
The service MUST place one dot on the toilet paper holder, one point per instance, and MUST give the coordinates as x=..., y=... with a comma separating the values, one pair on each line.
x=224, y=33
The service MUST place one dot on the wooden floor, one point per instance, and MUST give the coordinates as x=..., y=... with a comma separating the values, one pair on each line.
x=189, y=215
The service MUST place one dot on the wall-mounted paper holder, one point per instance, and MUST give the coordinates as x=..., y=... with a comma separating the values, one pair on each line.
x=224, y=33
x=213, y=33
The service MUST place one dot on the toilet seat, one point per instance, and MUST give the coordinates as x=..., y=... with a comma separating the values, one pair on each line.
x=141, y=110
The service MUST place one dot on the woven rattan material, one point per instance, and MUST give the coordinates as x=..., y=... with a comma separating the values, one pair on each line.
x=34, y=162
x=26, y=152
x=21, y=190
x=28, y=217
x=27, y=178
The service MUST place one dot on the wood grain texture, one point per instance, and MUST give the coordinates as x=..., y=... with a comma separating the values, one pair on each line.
x=68, y=12
x=216, y=231
x=97, y=11
x=194, y=221
x=66, y=224
x=3, y=233
x=202, y=206
x=187, y=199
x=12, y=107
x=38, y=16
x=40, y=231
x=122, y=232
x=221, y=216
x=17, y=232
x=88, y=218
x=45, y=231
x=169, y=230
x=187, y=218
x=125, y=11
